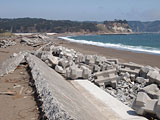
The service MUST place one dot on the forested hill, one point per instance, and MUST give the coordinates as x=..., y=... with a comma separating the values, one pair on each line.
x=61, y=26
x=42, y=25
x=138, y=26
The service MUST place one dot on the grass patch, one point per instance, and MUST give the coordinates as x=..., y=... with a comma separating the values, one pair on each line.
x=6, y=34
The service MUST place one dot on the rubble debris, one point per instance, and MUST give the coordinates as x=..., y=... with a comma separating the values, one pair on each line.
x=34, y=40
x=128, y=82
x=59, y=102
x=6, y=43
x=121, y=80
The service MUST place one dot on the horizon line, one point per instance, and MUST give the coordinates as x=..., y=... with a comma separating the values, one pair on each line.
x=75, y=20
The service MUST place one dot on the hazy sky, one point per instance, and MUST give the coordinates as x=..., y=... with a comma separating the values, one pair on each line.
x=99, y=10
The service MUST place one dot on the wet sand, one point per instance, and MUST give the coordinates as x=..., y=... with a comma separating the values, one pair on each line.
x=123, y=56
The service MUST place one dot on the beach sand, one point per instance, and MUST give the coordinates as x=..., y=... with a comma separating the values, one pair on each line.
x=123, y=56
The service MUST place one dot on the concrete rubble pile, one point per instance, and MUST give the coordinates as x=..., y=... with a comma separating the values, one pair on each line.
x=135, y=85
x=34, y=40
x=6, y=43
x=122, y=80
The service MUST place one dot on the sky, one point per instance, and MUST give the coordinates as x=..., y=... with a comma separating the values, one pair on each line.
x=82, y=10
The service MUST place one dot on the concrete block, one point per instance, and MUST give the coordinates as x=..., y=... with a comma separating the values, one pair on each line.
x=64, y=63
x=86, y=72
x=99, y=60
x=150, y=106
x=103, y=66
x=144, y=70
x=89, y=59
x=106, y=73
x=53, y=60
x=152, y=90
x=133, y=77
x=114, y=84
x=106, y=79
x=79, y=58
x=74, y=72
x=158, y=103
x=141, y=80
x=144, y=105
x=124, y=70
x=59, y=69
x=114, y=61
x=142, y=99
x=96, y=68
x=154, y=76
x=11, y=64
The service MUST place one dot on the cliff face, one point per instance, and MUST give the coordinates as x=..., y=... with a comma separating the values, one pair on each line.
x=115, y=27
x=138, y=26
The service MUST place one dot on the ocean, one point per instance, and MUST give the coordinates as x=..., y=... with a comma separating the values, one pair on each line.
x=143, y=43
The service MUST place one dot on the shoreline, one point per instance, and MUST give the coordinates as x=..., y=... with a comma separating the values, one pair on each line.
x=121, y=55
x=135, y=49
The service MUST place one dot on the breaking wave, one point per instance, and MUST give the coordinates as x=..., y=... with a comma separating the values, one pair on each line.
x=140, y=49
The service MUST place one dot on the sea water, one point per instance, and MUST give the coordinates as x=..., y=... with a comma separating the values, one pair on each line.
x=146, y=43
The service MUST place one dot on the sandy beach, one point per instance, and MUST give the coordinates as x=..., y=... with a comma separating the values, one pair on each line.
x=123, y=56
